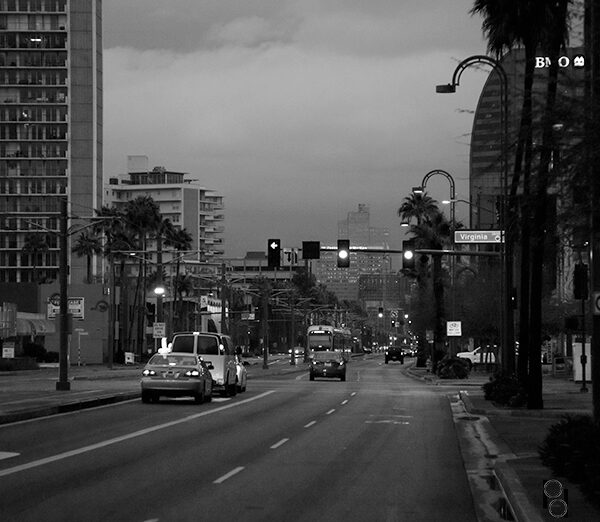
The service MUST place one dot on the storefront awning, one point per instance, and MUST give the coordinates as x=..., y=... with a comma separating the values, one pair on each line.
x=35, y=326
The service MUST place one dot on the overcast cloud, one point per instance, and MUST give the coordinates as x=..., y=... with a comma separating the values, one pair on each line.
x=295, y=111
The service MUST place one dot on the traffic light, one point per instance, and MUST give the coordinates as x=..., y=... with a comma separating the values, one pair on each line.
x=343, y=253
x=274, y=253
x=311, y=249
x=580, y=281
x=408, y=254
x=380, y=312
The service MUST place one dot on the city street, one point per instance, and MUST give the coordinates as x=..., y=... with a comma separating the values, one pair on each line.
x=380, y=446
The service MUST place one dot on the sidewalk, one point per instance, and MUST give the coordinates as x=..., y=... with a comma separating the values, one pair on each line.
x=32, y=393
x=518, y=433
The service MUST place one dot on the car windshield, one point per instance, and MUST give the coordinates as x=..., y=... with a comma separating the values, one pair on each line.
x=172, y=360
x=326, y=356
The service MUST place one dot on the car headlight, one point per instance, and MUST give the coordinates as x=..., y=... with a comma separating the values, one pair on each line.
x=192, y=373
x=148, y=373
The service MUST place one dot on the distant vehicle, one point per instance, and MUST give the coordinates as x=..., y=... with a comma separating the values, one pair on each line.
x=394, y=353
x=323, y=338
x=214, y=348
x=174, y=375
x=478, y=356
x=298, y=351
x=327, y=364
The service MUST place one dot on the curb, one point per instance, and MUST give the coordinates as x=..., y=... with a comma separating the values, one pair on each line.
x=514, y=493
x=46, y=411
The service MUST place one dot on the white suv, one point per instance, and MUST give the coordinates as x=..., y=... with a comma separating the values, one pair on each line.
x=214, y=348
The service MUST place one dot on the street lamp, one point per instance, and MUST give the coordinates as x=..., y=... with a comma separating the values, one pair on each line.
x=507, y=344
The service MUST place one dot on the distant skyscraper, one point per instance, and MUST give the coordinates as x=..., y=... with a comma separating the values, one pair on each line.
x=50, y=130
x=357, y=228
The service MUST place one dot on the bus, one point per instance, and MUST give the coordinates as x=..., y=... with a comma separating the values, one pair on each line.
x=322, y=338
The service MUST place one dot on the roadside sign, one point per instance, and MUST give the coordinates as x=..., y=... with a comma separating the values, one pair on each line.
x=479, y=236
x=159, y=330
x=453, y=328
x=75, y=307
x=8, y=350
x=289, y=257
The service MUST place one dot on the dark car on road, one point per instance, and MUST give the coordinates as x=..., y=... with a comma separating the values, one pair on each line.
x=327, y=364
x=175, y=375
x=394, y=353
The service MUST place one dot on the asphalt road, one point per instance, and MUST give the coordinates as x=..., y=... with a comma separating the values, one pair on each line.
x=378, y=447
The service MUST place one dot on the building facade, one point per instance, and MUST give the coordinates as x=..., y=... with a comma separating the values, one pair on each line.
x=356, y=228
x=181, y=199
x=50, y=131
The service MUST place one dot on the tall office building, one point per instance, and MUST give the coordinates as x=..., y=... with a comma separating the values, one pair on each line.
x=50, y=131
x=357, y=228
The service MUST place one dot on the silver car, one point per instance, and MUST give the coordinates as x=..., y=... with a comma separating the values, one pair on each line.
x=174, y=375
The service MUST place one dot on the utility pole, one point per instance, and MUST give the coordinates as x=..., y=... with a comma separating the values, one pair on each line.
x=63, y=383
x=224, y=329
x=592, y=45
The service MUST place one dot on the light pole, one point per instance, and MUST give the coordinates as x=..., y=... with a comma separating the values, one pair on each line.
x=508, y=361
x=450, y=179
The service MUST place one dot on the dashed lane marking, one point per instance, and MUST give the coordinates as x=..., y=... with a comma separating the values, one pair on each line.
x=280, y=443
x=233, y=472
x=129, y=436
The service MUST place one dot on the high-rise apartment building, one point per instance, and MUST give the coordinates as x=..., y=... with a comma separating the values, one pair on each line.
x=50, y=130
x=181, y=199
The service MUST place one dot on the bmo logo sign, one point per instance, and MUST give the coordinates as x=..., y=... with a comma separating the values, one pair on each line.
x=577, y=62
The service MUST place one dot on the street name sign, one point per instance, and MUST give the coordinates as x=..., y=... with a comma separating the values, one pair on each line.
x=478, y=236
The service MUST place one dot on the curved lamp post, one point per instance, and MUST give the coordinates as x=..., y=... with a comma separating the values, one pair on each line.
x=508, y=353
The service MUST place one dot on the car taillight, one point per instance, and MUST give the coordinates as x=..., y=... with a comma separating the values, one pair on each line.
x=192, y=373
x=147, y=373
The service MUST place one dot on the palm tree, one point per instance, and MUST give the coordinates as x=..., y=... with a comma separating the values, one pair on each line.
x=528, y=23
x=419, y=206
x=34, y=247
x=553, y=42
x=181, y=240
x=87, y=245
x=434, y=232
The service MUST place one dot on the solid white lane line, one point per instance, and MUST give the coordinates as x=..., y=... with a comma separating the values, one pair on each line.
x=311, y=423
x=280, y=443
x=345, y=402
x=233, y=472
x=8, y=455
x=135, y=434
x=330, y=411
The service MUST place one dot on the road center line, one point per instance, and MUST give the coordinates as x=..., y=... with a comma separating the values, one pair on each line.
x=330, y=411
x=352, y=394
x=280, y=443
x=345, y=402
x=311, y=423
x=116, y=440
x=233, y=472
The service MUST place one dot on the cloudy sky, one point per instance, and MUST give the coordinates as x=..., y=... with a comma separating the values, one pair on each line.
x=295, y=110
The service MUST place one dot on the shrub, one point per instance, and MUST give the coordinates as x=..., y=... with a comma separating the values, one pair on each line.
x=453, y=368
x=505, y=390
x=572, y=449
x=51, y=357
x=35, y=351
x=18, y=363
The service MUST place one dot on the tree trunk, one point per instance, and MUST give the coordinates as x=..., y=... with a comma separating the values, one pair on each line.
x=534, y=391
